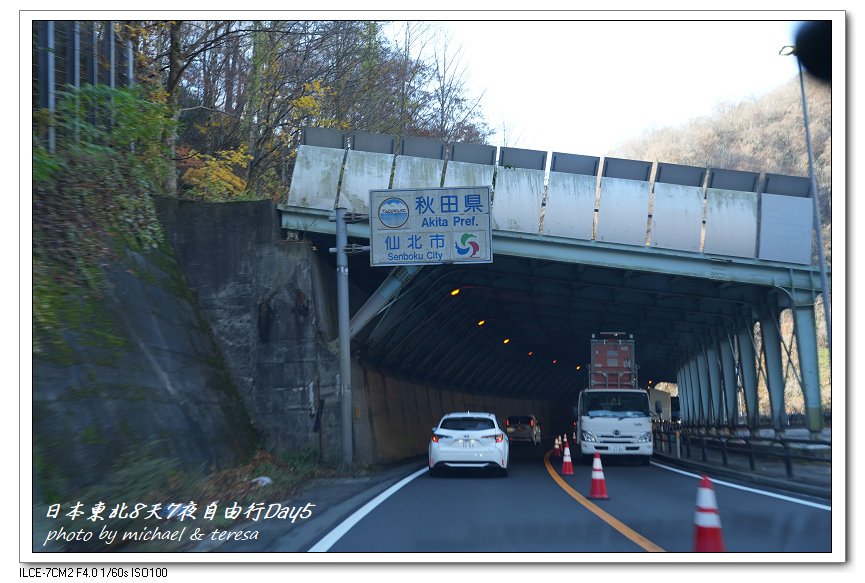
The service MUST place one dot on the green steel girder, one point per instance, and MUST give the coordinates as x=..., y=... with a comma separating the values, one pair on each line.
x=608, y=255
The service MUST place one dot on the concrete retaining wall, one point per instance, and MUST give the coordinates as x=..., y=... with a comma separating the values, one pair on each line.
x=271, y=305
x=133, y=389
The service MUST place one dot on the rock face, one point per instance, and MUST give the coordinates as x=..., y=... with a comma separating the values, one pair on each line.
x=257, y=292
x=134, y=388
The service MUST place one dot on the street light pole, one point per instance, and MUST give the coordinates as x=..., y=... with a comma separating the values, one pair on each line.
x=343, y=250
x=344, y=337
x=787, y=51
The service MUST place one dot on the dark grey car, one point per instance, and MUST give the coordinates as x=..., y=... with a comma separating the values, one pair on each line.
x=523, y=428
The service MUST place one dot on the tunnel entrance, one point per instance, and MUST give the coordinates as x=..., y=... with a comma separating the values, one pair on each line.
x=521, y=326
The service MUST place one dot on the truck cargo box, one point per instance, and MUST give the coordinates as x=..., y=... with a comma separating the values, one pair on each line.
x=613, y=361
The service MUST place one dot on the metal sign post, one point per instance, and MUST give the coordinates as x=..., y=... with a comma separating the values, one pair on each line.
x=342, y=250
x=344, y=352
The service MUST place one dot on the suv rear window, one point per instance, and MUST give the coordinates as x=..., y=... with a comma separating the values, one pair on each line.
x=518, y=419
x=467, y=423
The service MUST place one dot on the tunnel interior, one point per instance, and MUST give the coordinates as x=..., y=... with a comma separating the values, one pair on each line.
x=521, y=326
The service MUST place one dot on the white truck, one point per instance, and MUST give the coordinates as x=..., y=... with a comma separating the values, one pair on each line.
x=612, y=413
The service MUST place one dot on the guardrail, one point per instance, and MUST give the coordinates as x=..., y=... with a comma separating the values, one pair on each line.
x=691, y=445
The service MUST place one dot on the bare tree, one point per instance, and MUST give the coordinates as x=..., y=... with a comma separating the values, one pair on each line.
x=456, y=115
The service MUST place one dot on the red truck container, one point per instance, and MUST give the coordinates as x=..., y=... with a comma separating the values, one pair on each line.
x=613, y=363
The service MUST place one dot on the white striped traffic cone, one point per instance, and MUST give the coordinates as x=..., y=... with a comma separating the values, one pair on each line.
x=707, y=521
x=567, y=466
x=599, y=484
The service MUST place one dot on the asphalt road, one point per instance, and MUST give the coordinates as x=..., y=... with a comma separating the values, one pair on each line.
x=649, y=508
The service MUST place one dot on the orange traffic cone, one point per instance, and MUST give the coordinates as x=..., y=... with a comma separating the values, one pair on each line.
x=707, y=521
x=557, y=450
x=567, y=466
x=599, y=484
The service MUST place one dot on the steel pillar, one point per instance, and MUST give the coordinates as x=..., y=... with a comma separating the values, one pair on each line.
x=806, y=342
x=748, y=368
x=694, y=391
x=703, y=376
x=774, y=367
x=396, y=280
x=769, y=323
x=685, y=395
x=714, y=371
x=728, y=364
x=344, y=338
x=680, y=382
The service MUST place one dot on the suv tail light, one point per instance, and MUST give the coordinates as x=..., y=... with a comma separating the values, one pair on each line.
x=531, y=422
x=507, y=422
x=498, y=437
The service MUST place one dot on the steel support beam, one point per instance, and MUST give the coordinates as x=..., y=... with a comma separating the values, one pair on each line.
x=600, y=254
x=703, y=376
x=681, y=379
x=396, y=280
x=415, y=346
x=441, y=357
x=696, y=406
x=774, y=366
x=728, y=365
x=748, y=368
x=714, y=369
x=687, y=397
x=806, y=342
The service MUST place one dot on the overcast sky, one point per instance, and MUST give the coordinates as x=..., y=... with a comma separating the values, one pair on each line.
x=584, y=86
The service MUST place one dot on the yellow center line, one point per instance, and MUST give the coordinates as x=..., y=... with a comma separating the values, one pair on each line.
x=630, y=533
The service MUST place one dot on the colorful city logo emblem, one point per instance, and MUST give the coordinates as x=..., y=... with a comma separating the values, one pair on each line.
x=393, y=213
x=466, y=245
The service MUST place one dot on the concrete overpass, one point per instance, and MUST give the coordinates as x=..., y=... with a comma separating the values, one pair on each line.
x=688, y=259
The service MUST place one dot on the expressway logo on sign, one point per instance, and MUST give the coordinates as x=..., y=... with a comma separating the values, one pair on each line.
x=430, y=226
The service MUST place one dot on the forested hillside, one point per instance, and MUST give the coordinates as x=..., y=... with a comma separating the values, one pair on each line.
x=765, y=134
x=242, y=90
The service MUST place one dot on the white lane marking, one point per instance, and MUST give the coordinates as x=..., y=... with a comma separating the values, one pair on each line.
x=747, y=489
x=337, y=533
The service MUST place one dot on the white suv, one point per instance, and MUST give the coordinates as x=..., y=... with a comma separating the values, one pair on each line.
x=468, y=440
